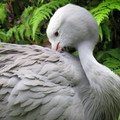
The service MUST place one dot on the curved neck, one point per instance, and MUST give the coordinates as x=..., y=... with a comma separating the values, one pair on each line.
x=87, y=59
x=93, y=97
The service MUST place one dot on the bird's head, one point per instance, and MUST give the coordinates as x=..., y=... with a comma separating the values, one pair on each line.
x=70, y=25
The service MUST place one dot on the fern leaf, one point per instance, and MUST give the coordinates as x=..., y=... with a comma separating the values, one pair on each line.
x=27, y=14
x=21, y=31
x=3, y=36
x=11, y=32
x=27, y=31
x=102, y=11
x=111, y=59
x=44, y=12
x=107, y=31
x=3, y=13
x=115, y=53
x=100, y=32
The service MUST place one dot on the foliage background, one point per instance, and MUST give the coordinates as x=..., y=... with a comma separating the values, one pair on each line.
x=25, y=22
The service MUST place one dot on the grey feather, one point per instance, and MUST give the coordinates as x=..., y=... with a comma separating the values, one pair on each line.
x=38, y=79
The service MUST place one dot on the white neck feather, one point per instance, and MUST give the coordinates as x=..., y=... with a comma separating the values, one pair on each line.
x=99, y=97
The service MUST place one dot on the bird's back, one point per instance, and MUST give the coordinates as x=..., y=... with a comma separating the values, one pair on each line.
x=37, y=83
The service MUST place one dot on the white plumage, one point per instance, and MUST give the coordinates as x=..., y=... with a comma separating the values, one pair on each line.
x=38, y=83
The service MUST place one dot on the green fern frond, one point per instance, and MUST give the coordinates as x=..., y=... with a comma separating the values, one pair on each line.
x=100, y=32
x=25, y=17
x=3, y=35
x=11, y=31
x=19, y=32
x=25, y=28
x=44, y=12
x=102, y=11
x=104, y=30
x=110, y=59
x=3, y=13
x=107, y=31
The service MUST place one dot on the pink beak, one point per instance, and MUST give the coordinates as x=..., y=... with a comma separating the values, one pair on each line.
x=57, y=47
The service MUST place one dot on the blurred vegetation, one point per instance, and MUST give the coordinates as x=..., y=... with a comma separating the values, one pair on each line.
x=25, y=22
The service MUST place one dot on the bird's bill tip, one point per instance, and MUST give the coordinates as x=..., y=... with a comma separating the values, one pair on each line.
x=57, y=47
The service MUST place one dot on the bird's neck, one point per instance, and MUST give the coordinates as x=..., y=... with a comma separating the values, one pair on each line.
x=94, y=96
x=88, y=62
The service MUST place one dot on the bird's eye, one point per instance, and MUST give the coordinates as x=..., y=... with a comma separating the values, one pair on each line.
x=56, y=34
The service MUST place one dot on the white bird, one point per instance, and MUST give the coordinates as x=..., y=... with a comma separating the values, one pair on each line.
x=38, y=83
